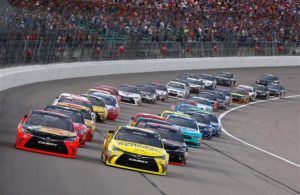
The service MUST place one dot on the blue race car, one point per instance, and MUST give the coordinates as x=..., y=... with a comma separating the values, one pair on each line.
x=204, y=125
x=276, y=90
x=189, y=128
x=216, y=126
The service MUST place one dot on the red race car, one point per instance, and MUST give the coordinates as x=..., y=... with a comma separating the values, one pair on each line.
x=48, y=133
x=112, y=90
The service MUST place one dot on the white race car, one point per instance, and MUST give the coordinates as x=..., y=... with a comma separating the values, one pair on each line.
x=130, y=94
x=209, y=81
x=177, y=89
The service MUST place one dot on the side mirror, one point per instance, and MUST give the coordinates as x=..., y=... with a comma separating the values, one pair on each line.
x=24, y=118
x=132, y=118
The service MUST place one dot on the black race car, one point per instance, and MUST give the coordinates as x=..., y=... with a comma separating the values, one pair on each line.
x=266, y=79
x=276, y=90
x=173, y=142
x=262, y=91
x=225, y=78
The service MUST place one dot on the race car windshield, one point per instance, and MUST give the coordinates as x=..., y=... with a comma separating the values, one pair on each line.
x=261, y=88
x=129, y=89
x=97, y=102
x=207, y=77
x=176, y=85
x=140, y=137
x=195, y=82
x=158, y=87
x=202, y=101
x=225, y=75
x=148, y=89
x=86, y=115
x=76, y=116
x=207, y=96
x=77, y=102
x=239, y=91
x=201, y=119
x=166, y=133
x=267, y=77
x=107, y=100
x=183, y=122
x=276, y=87
x=247, y=89
x=213, y=118
x=47, y=120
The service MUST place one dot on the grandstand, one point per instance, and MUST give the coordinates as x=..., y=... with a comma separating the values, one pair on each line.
x=43, y=31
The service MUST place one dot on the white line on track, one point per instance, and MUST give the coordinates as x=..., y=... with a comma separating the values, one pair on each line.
x=248, y=144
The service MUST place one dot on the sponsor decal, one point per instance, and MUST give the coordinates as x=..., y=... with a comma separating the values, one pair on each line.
x=131, y=144
x=138, y=160
x=57, y=131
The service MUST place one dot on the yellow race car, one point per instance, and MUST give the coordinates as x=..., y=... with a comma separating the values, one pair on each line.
x=166, y=113
x=135, y=149
x=98, y=106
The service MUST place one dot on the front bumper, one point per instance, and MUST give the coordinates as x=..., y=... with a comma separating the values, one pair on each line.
x=137, y=163
x=130, y=100
x=37, y=144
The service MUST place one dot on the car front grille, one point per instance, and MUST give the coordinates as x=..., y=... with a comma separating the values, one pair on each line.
x=41, y=144
x=136, y=161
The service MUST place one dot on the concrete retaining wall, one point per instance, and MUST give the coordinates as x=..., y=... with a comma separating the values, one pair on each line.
x=13, y=77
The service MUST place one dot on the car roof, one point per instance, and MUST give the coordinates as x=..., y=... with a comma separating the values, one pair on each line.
x=63, y=108
x=73, y=96
x=52, y=113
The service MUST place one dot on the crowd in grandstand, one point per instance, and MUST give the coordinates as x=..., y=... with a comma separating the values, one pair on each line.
x=160, y=20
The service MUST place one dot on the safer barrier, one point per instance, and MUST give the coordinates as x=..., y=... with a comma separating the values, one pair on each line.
x=13, y=77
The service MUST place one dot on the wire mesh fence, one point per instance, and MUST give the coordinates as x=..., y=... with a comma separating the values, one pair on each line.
x=22, y=48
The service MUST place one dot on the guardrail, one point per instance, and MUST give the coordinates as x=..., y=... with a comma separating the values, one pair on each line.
x=13, y=77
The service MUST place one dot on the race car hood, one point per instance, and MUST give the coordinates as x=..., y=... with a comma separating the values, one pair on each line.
x=159, y=92
x=137, y=148
x=175, y=89
x=127, y=94
x=109, y=107
x=215, y=125
x=99, y=109
x=202, y=125
x=237, y=94
x=50, y=130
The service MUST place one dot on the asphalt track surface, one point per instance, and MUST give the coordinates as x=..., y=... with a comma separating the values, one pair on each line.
x=222, y=165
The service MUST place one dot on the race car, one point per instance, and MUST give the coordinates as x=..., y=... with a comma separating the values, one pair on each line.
x=48, y=133
x=89, y=120
x=225, y=78
x=221, y=98
x=196, y=85
x=166, y=113
x=134, y=119
x=74, y=99
x=177, y=89
x=276, y=90
x=148, y=93
x=77, y=119
x=189, y=128
x=240, y=95
x=212, y=98
x=227, y=95
x=135, y=149
x=251, y=91
x=209, y=81
x=173, y=142
x=262, y=91
x=99, y=106
x=111, y=104
x=202, y=103
x=130, y=95
x=112, y=90
x=203, y=124
x=161, y=90
x=266, y=79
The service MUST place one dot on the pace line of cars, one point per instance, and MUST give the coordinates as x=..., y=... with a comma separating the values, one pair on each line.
x=149, y=142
